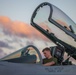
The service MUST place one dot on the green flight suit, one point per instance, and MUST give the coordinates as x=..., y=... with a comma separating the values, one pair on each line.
x=45, y=60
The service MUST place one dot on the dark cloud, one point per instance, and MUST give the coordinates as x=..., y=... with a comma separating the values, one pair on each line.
x=6, y=32
x=4, y=45
x=2, y=53
x=1, y=50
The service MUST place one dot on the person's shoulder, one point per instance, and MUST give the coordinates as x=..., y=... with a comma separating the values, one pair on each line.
x=55, y=60
x=44, y=58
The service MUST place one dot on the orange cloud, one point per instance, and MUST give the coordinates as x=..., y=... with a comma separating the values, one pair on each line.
x=4, y=20
x=17, y=27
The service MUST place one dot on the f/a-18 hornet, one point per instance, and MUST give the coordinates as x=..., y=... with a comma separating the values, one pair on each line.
x=59, y=29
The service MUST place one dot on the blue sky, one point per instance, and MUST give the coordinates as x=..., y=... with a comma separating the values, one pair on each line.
x=19, y=12
x=22, y=9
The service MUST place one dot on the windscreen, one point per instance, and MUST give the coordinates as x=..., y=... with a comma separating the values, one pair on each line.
x=28, y=52
x=46, y=12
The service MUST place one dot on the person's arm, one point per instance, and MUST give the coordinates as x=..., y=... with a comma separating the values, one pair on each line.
x=49, y=63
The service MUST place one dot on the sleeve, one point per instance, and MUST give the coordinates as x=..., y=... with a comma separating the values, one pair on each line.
x=55, y=60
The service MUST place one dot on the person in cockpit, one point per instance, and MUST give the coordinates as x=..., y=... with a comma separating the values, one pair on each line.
x=49, y=60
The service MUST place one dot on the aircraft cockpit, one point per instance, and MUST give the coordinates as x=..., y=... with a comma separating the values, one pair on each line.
x=29, y=54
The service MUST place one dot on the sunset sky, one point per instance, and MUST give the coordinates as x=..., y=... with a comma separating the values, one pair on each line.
x=15, y=29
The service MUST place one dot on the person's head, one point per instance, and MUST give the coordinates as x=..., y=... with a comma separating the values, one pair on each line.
x=46, y=52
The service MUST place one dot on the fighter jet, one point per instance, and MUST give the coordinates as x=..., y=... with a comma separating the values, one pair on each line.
x=59, y=29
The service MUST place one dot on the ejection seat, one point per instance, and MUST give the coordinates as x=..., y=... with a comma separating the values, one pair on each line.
x=58, y=52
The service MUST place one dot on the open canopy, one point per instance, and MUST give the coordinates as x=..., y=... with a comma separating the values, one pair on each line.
x=55, y=25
